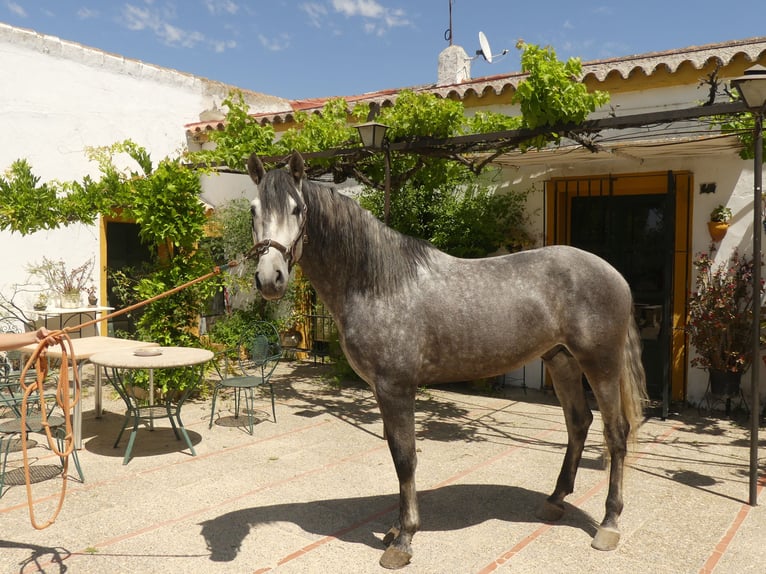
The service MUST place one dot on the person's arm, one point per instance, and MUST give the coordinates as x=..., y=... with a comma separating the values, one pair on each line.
x=10, y=341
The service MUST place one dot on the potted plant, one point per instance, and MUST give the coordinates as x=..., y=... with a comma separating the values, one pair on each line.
x=719, y=222
x=68, y=283
x=41, y=302
x=92, y=298
x=720, y=321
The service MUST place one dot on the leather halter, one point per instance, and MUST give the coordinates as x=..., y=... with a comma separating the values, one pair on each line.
x=288, y=252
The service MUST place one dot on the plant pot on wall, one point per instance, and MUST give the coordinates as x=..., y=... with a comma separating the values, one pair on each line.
x=717, y=230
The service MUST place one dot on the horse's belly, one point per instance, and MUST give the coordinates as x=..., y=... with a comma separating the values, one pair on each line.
x=479, y=359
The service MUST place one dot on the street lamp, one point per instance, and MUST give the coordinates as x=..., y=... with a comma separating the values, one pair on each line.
x=373, y=136
x=752, y=87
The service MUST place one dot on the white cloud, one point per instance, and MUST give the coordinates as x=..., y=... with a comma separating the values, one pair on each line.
x=316, y=13
x=276, y=44
x=86, y=13
x=364, y=8
x=220, y=46
x=136, y=18
x=222, y=6
x=139, y=18
x=378, y=18
x=16, y=9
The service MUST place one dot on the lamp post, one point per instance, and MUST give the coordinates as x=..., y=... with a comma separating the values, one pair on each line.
x=752, y=87
x=373, y=136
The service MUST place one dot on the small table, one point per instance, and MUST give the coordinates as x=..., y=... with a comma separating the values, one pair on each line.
x=120, y=361
x=70, y=317
x=83, y=349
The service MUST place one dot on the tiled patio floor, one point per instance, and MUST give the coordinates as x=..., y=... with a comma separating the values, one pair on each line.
x=315, y=492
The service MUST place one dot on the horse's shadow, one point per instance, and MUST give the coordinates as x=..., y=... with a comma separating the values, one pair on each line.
x=447, y=508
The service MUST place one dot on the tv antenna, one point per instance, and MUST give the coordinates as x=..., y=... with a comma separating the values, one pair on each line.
x=448, y=31
x=485, y=51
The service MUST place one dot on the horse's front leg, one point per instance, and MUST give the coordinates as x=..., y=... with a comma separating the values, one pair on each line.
x=398, y=410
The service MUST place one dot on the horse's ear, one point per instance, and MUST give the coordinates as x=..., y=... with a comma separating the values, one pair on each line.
x=297, y=167
x=255, y=168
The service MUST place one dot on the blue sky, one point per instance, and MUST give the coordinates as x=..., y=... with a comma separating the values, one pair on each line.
x=319, y=48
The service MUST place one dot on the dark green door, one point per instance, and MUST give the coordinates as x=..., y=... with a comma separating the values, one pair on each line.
x=631, y=232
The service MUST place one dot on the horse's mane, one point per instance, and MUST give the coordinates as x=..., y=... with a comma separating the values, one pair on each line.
x=373, y=257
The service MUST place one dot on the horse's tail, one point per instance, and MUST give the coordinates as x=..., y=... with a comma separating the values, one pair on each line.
x=633, y=380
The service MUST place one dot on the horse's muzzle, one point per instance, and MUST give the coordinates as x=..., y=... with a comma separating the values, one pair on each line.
x=273, y=288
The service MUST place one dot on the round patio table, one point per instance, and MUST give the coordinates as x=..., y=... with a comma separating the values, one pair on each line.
x=118, y=362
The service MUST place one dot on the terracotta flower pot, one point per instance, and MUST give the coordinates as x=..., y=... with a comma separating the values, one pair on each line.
x=717, y=230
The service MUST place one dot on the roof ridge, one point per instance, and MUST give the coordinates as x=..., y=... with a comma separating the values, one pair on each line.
x=698, y=56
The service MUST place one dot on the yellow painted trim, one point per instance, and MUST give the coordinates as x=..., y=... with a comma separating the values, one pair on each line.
x=103, y=326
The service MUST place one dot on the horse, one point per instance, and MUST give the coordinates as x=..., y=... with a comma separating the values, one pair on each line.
x=410, y=315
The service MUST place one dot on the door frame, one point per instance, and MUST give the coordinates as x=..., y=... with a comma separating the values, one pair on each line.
x=559, y=195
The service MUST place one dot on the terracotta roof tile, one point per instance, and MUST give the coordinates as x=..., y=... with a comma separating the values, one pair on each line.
x=751, y=50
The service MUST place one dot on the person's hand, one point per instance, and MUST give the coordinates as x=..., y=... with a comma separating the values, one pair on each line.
x=41, y=334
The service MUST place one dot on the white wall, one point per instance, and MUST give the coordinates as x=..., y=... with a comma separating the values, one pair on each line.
x=58, y=97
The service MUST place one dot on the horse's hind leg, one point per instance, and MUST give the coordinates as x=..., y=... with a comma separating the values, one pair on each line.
x=567, y=381
x=398, y=411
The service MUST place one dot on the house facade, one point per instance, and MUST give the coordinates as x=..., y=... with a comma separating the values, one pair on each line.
x=641, y=200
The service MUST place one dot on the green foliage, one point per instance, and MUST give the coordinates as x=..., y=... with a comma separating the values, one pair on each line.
x=232, y=222
x=552, y=94
x=241, y=136
x=742, y=126
x=27, y=207
x=721, y=214
x=422, y=115
x=166, y=206
x=474, y=222
x=328, y=130
x=229, y=331
x=487, y=122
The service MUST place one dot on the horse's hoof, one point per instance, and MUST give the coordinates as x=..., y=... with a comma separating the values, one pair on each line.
x=606, y=538
x=390, y=536
x=393, y=558
x=550, y=512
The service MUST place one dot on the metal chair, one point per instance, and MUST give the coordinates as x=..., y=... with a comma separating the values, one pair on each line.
x=248, y=366
x=12, y=404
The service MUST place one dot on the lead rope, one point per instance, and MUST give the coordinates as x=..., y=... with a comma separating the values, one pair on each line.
x=64, y=398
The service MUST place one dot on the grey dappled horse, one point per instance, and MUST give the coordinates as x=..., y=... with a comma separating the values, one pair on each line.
x=409, y=315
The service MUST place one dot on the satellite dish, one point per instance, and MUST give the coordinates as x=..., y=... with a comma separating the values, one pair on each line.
x=484, y=50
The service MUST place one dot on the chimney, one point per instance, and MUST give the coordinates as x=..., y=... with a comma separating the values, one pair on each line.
x=454, y=66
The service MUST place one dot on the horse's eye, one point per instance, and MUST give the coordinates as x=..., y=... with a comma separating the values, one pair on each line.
x=252, y=211
x=297, y=210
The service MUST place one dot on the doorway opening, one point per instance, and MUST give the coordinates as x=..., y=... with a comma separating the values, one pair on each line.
x=641, y=225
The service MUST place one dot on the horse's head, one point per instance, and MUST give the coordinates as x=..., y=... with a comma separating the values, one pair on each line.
x=278, y=214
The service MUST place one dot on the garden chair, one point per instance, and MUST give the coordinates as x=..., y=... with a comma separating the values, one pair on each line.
x=248, y=366
x=11, y=405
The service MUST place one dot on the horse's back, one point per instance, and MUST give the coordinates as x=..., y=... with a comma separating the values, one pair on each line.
x=471, y=318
